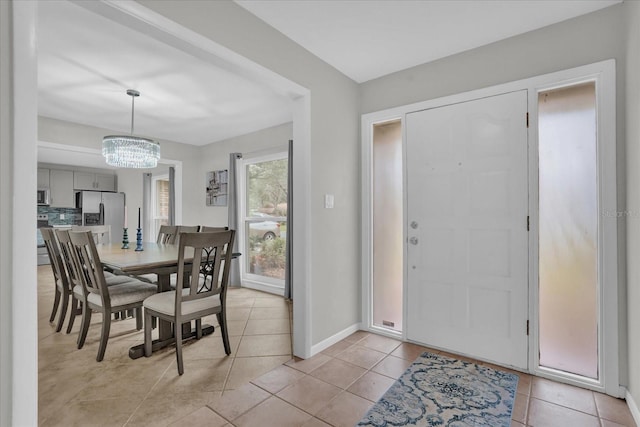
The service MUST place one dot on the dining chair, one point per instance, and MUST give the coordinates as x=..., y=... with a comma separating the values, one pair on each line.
x=63, y=287
x=74, y=281
x=207, y=229
x=101, y=233
x=206, y=254
x=167, y=234
x=96, y=295
x=186, y=229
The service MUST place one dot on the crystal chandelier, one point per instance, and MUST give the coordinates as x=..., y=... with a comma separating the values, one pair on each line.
x=128, y=151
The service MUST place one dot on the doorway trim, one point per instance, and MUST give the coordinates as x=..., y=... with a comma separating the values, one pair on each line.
x=604, y=74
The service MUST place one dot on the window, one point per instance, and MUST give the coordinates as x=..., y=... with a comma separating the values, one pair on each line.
x=160, y=202
x=264, y=221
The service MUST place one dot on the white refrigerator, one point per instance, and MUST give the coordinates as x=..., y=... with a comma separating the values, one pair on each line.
x=103, y=208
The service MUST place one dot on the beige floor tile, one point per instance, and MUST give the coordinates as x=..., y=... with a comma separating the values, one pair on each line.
x=309, y=394
x=308, y=365
x=520, y=407
x=238, y=313
x=203, y=417
x=345, y=410
x=315, y=422
x=234, y=327
x=231, y=404
x=278, y=378
x=110, y=412
x=371, y=386
x=108, y=383
x=392, y=366
x=162, y=408
x=265, y=345
x=233, y=303
x=516, y=424
x=267, y=327
x=209, y=347
x=337, y=348
x=524, y=384
x=259, y=313
x=361, y=356
x=199, y=376
x=564, y=395
x=339, y=373
x=607, y=423
x=613, y=409
x=410, y=351
x=545, y=414
x=273, y=412
x=245, y=369
x=379, y=343
x=271, y=301
x=356, y=336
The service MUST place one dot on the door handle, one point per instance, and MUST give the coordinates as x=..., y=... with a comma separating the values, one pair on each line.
x=413, y=240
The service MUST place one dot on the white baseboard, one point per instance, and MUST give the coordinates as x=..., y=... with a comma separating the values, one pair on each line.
x=633, y=407
x=324, y=344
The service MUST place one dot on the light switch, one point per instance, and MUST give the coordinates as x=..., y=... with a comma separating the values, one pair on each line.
x=328, y=201
x=61, y=216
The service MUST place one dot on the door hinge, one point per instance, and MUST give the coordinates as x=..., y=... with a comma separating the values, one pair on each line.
x=527, y=222
x=527, y=328
x=527, y=120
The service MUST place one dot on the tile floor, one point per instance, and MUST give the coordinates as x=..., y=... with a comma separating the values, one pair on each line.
x=260, y=384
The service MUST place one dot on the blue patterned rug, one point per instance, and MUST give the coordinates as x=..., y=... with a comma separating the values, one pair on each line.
x=440, y=391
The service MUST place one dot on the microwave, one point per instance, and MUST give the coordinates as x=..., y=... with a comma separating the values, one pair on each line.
x=43, y=196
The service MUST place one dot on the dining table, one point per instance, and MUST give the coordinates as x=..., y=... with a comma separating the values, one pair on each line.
x=159, y=259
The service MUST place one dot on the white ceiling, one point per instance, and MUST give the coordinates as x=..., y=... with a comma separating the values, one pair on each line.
x=366, y=39
x=86, y=62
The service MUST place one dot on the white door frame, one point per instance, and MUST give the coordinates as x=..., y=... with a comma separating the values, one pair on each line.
x=603, y=73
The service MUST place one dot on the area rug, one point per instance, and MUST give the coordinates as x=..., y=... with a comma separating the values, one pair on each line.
x=440, y=391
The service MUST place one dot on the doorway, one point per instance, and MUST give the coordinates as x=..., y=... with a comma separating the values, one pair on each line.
x=438, y=298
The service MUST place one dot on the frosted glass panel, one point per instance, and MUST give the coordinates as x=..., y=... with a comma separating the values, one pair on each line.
x=568, y=230
x=387, y=225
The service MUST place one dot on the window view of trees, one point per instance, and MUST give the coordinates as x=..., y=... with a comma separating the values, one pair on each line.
x=266, y=225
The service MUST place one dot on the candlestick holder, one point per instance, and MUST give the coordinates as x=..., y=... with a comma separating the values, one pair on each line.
x=139, y=240
x=125, y=238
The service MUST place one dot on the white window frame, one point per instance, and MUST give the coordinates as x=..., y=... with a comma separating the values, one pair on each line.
x=249, y=280
x=154, y=201
x=603, y=73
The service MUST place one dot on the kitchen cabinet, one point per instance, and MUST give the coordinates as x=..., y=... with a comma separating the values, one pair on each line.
x=61, y=189
x=94, y=181
x=43, y=178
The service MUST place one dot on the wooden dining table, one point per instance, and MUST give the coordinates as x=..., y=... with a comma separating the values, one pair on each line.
x=162, y=260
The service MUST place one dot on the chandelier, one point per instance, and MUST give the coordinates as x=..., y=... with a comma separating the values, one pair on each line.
x=128, y=151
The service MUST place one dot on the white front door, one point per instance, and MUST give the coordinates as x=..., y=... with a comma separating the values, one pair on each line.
x=467, y=228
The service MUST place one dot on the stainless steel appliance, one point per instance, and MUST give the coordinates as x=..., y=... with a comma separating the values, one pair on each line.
x=43, y=197
x=102, y=208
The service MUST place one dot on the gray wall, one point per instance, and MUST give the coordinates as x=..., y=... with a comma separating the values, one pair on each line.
x=632, y=12
x=335, y=158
